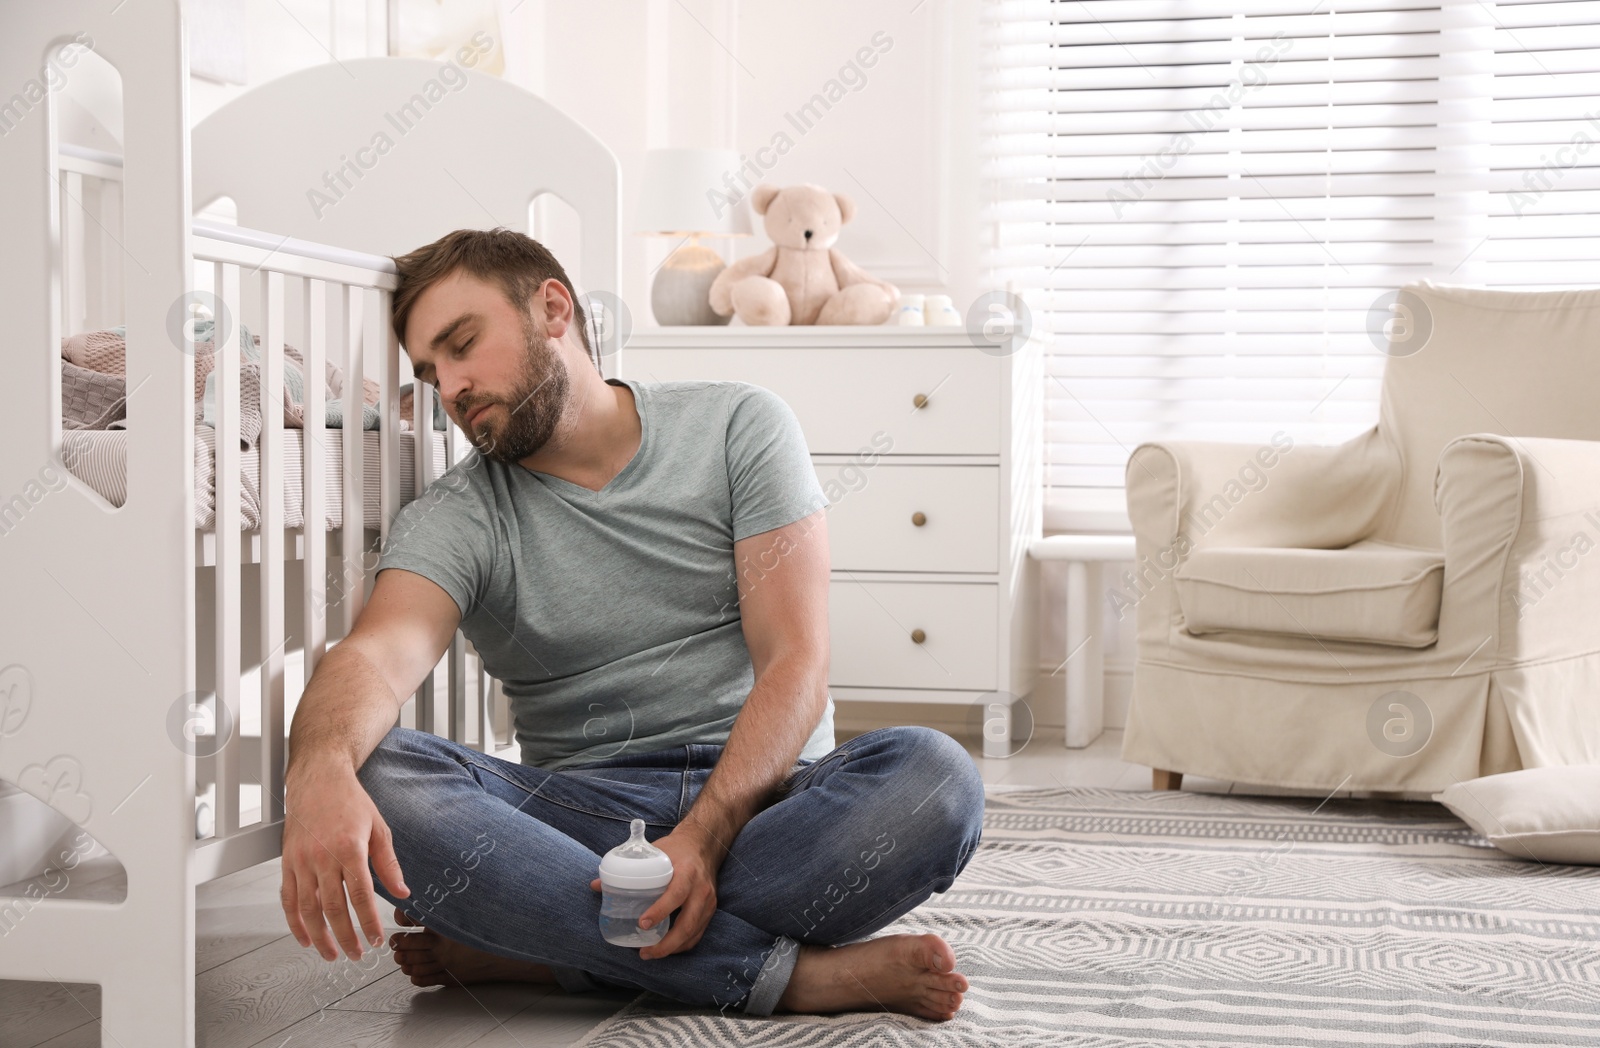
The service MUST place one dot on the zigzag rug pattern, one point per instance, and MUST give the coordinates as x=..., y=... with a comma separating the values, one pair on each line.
x=1099, y=918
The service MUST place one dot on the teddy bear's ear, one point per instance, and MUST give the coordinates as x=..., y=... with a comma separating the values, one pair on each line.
x=761, y=197
x=847, y=208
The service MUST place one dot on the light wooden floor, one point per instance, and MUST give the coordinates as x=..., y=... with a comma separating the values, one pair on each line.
x=255, y=986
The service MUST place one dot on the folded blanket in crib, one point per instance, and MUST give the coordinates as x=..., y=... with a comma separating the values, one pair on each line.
x=90, y=399
x=93, y=382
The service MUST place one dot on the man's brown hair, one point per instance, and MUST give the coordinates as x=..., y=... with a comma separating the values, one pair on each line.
x=515, y=261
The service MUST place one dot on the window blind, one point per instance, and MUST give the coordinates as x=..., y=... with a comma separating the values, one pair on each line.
x=1544, y=188
x=1214, y=198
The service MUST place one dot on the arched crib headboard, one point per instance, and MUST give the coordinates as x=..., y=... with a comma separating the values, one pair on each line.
x=383, y=155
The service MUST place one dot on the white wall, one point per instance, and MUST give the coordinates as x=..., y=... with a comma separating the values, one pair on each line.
x=281, y=37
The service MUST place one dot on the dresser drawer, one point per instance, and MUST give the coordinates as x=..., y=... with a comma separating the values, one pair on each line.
x=872, y=518
x=843, y=397
x=870, y=626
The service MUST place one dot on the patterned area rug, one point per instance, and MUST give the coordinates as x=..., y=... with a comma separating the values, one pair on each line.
x=1116, y=919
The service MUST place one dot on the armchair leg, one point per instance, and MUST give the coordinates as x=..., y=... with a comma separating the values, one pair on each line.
x=1166, y=780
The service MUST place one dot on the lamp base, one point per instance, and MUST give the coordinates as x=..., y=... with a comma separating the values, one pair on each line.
x=681, y=292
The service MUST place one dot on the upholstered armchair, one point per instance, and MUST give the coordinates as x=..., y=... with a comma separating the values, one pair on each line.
x=1415, y=607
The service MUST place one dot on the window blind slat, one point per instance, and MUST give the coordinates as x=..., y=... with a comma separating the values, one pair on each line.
x=1116, y=148
x=1207, y=102
x=1004, y=12
x=1202, y=27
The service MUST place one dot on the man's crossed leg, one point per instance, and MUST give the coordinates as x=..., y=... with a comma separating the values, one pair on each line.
x=499, y=857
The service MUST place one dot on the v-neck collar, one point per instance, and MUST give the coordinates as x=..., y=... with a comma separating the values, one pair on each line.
x=578, y=490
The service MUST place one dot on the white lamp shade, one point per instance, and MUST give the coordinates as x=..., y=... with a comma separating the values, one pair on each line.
x=686, y=191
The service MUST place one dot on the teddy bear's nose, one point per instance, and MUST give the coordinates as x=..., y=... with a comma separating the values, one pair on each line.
x=808, y=234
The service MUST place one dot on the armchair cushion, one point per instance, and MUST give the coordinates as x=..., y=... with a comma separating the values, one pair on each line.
x=1278, y=494
x=1368, y=592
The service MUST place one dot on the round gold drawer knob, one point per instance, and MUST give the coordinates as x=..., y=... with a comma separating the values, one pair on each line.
x=917, y=636
x=920, y=400
x=919, y=518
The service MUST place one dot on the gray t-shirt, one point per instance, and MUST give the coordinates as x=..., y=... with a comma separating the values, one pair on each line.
x=612, y=616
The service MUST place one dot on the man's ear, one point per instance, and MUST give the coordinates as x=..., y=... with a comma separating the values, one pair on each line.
x=552, y=304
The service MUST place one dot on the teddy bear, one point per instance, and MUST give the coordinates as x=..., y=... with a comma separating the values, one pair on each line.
x=802, y=278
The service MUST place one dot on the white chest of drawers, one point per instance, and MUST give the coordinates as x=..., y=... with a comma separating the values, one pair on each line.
x=929, y=449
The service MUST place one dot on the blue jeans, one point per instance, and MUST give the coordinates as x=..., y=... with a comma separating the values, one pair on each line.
x=499, y=855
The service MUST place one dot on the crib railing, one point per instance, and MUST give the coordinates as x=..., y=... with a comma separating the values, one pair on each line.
x=333, y=305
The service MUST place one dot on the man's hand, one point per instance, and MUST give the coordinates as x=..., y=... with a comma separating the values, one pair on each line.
x=330, y=828
x=696, y=861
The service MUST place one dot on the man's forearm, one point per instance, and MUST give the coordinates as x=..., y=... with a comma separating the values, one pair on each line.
x=347, y=709
x=767, y=737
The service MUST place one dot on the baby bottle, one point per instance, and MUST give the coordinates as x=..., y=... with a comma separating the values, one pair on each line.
x=633, y=875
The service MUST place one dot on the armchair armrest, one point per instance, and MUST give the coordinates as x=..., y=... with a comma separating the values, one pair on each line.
x=1521, y=522
x=1280, y=494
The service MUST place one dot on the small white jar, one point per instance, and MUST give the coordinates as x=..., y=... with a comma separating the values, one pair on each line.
x=939, y=311
x=909, y=312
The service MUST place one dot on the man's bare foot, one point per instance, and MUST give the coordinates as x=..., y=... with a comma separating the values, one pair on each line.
x=430, y=959
x=911, y=974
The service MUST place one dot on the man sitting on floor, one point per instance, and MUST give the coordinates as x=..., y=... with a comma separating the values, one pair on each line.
x=645, y=567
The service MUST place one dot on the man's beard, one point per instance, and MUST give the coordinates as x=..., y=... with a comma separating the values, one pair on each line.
x=532, y=410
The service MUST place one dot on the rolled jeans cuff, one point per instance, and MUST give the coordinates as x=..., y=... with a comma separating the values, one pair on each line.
x=773, y=979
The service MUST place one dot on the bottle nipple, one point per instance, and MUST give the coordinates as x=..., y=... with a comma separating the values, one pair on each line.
x=636, y=863
x=636, y=847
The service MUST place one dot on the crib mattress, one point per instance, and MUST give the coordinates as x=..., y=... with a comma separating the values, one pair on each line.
x=99, y=458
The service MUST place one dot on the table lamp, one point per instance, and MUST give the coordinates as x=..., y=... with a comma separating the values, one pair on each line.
x=685, y=194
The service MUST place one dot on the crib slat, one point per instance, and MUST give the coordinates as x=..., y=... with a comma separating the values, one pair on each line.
x=64, y=261
x=422, y=396
x=422, y=473
x=74, y=274
x=314, y=565
x=457, y=677
x=486, y=715
x=107, y=284
x=272, y=483
x=422, y=416
x=380, y=335
x=353, y=587
x=460, y=708
x=225, y=344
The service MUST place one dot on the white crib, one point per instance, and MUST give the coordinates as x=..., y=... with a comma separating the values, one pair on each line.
x=124, y=626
